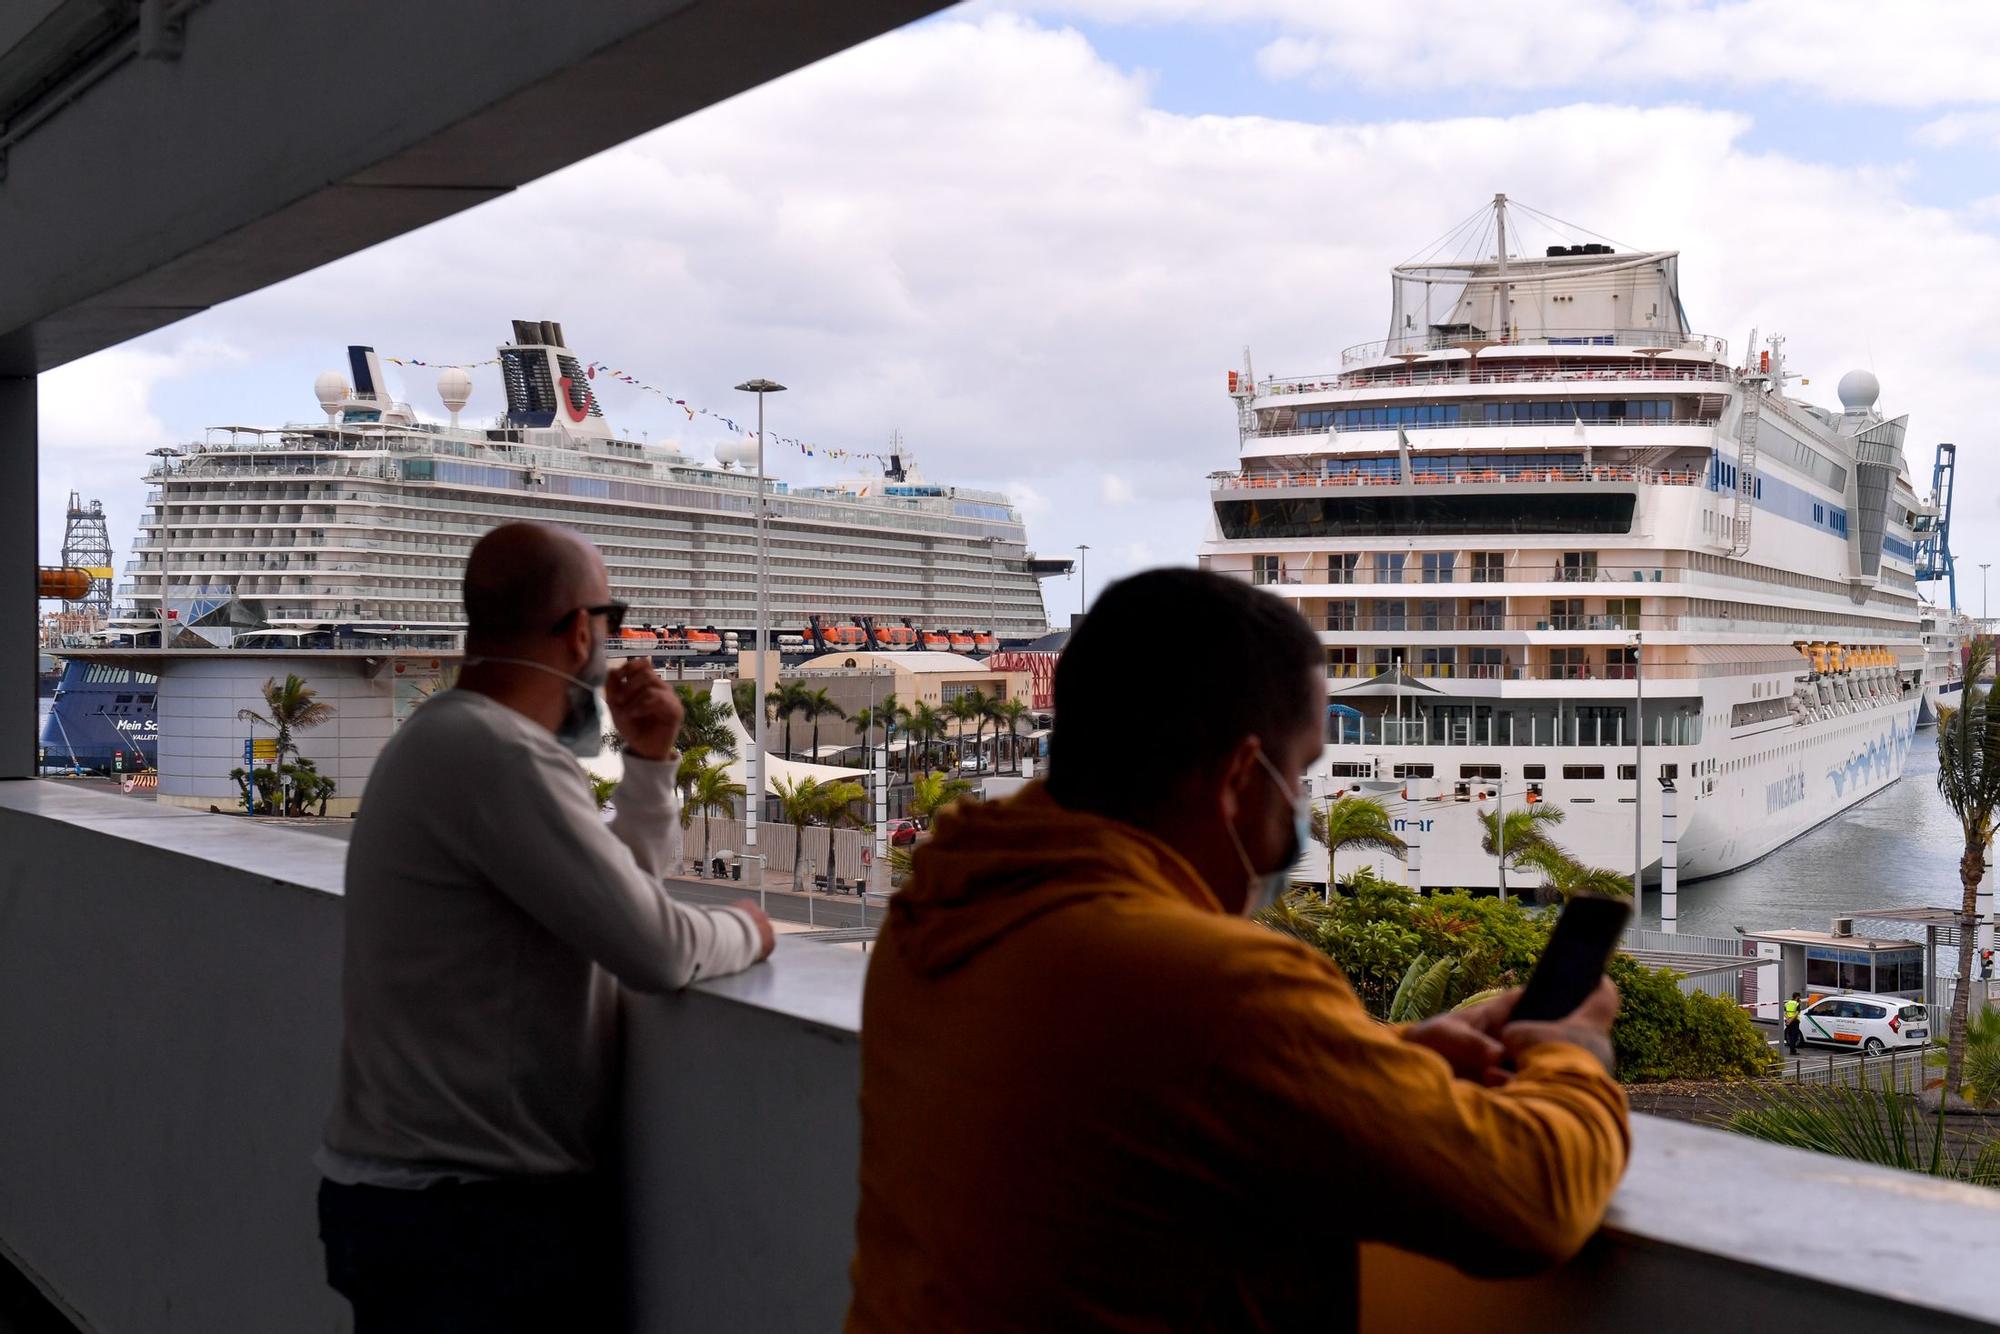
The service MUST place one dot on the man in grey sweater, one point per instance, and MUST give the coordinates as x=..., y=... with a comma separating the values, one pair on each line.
x=491, y=916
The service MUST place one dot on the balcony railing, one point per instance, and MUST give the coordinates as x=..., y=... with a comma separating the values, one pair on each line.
x=1337, y=477
x=244, y=921
x=1396, y=623
x=1569, y=340
x=1460, y=372
x=1317, y=570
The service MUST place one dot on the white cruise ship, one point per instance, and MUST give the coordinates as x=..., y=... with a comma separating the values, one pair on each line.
x=1560, y=546
x=353, y=532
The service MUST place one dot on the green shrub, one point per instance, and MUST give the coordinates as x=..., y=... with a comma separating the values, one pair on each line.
x=1378, y=932
x=1665, y=1033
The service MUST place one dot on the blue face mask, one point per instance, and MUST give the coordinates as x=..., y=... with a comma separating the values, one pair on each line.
x=581, y=730
x=1266, y=886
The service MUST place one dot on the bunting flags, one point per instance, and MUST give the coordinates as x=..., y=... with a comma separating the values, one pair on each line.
x=595, y=369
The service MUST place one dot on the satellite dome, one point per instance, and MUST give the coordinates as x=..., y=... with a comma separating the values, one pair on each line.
x=331, y=391
x=1859, y=390
x=741, y=452
x=454, y=387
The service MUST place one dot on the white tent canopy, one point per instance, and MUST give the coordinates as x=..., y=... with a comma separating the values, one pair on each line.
x=776, y=768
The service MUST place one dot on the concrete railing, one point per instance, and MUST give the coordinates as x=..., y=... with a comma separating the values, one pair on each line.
x=168, y=1030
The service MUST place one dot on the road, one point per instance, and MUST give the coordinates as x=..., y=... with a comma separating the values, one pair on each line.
x=827, y=911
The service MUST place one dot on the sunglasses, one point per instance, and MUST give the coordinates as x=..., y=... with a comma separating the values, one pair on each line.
x=612, y=612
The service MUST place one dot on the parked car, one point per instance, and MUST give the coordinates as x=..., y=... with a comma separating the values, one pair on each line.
x=902, y=833
x=1856, y=1019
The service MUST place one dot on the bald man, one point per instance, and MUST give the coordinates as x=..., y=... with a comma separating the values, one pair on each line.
x=491, y=916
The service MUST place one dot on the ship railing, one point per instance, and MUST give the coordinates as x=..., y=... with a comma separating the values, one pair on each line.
x=1339, y=478
x=1566, y=426
x=1320, y=569
x=1517, y=731
x=1441, y=675
x=1570, y=340
x=1418, y=621
x=1455, y=373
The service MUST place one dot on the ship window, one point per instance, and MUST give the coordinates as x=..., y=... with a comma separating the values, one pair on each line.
x=1489, y=771
x=1425, y=516
x=1583, y=771
x=1627, y=772
x=1534, y=772
x=1416, y=771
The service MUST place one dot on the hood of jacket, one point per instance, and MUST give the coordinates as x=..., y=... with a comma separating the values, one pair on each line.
x=990, y=868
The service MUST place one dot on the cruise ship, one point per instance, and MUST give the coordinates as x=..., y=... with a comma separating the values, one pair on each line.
x=1563, y=548
x=352, y=532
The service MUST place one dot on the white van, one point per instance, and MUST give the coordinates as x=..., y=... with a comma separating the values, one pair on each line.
x=1860, y=1021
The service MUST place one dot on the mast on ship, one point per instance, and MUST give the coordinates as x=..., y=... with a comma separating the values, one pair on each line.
x=1506, y=299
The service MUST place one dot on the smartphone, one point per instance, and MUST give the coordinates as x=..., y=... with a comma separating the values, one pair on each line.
x=1571, y=966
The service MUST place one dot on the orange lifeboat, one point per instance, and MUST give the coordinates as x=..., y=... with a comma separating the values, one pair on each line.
x=984, y=642
x=936, y=641
x=960, y=643
x=704, y=641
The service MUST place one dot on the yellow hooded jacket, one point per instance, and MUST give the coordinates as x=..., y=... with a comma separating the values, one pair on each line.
x=1090, y=1099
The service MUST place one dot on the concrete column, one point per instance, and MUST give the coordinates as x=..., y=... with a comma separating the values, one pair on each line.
x=1670, y=860
x=19, y=442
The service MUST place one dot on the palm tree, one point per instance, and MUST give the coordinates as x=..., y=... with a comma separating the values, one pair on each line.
x=1011, y=712
x=815, y=704
x=865, y=721
x=933, y=791
x=807, y=801
x=1354, y=822
x=1523, y=834
x=966, y=708
x=293, y=707
x=706, y=789
x=1968, y=741
x=743, y=694
x=786, y=700
x=924, y=725
x=1565, y=878
x=704, y=723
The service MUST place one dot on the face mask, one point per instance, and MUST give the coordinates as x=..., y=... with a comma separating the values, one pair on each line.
x=1266, y=886
x=581, y=730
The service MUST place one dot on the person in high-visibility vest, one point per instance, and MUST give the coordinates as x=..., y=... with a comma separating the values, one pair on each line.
x=1794, y=1035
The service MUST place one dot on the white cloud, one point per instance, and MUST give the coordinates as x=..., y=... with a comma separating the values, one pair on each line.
x=1115, y=490
x=1959, y=127
x=97, y=420
x=1916, y=53
x=1042, y=289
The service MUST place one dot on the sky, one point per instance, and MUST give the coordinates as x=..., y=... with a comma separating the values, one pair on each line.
x=1032, y=238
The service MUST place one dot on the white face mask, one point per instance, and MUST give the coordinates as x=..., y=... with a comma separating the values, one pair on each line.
x=581, y=730
x=1266, y=886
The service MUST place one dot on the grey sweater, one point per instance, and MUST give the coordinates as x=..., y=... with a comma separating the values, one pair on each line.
x=491, y=915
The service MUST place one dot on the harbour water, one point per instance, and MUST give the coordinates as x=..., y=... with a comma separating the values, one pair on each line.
x=1900, y=847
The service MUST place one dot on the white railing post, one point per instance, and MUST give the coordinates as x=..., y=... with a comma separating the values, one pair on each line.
x=1413, y=834
x=1670, y=859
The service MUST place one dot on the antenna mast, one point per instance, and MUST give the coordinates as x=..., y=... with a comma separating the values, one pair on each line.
x=1506, y=296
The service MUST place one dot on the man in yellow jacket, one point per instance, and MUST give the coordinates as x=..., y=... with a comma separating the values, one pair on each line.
x=1095, y=1097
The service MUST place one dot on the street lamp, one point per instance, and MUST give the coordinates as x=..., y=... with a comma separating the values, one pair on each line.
x=1984, y=566
x=1083, y=574
x=762, y=630
x=165, y=453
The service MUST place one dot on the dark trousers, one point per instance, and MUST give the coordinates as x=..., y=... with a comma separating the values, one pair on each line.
x=1793, y=1036
x=483, y=1257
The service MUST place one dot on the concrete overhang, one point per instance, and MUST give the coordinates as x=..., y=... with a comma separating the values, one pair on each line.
x=162, y=156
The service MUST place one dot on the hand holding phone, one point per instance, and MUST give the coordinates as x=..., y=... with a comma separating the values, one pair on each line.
x=1573, y=963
